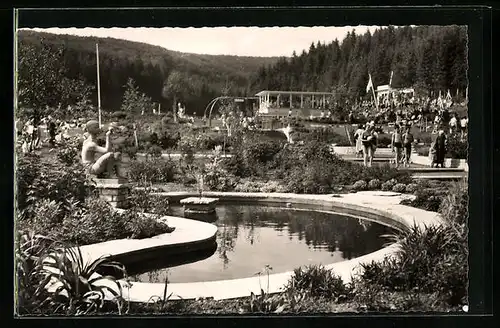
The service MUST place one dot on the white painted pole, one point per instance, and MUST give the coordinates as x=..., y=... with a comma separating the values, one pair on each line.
x=159, y=109
x=373, y=91
x=98, y=85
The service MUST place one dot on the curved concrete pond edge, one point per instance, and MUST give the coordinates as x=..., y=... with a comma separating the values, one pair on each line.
x=380, y=207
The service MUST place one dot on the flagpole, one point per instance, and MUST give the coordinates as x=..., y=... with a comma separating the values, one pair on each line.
x=98, y=85
x=373, y=92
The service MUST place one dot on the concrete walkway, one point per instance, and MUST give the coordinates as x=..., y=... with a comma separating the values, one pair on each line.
x=382, y=207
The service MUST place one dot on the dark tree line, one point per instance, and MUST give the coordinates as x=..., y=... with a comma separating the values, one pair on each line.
x=61, y=69
x=429, y=58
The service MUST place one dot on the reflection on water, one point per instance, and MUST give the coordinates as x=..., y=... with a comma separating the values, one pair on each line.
x=250, y=237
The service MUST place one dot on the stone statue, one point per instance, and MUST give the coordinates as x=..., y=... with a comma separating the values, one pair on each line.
x=107, y=165
x=287, y=131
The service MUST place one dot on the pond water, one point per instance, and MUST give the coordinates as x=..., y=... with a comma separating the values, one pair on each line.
x=250, y=237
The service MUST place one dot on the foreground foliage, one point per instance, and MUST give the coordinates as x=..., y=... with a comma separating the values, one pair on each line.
x=77, y=288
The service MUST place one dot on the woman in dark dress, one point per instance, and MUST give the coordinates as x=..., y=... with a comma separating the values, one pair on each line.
x=440, y=145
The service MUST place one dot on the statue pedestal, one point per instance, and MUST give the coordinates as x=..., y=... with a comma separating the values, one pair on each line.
x=199, y=205
x=114, y=191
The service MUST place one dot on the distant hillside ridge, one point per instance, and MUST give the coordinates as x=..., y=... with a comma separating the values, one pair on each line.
x=149, y=66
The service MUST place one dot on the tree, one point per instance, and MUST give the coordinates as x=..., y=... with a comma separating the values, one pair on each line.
x=42, y=80
x=134, y=100
x=176, y=87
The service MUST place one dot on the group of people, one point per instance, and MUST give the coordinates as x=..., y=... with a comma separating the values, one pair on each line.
x=366, y=142
x=401, y=144
x=30, y=133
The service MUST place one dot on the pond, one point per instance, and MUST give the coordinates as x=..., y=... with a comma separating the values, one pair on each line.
x=250, y=237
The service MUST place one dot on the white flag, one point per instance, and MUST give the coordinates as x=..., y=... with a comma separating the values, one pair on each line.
x=448, y=95
x=390, y=81
x=370, y=84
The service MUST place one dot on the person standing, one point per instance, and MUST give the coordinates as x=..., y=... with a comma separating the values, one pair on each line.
x=440, y=146
x=463, y=126
x=369, y=140
x=432, y=153
x=407, y=142
x=397, y=144
x=453, y=124
x=359, y=144
x=51, y=125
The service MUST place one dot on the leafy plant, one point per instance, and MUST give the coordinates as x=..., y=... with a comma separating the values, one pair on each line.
x=399, y=187
x=134, y=100
x=431, y=260
x=360, y=185
x=155, y=170
x=454, y=206
x=264, y=303
x=427, y=199
x=67, y=153
x=411, y=188
x=374, y=184
x=76, y=287
x=144, y=200
x=457, y=147
x=318, y=281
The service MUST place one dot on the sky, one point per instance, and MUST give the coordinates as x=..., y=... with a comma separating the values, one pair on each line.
x=238, y=41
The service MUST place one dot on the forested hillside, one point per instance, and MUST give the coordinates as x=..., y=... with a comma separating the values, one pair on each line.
x=429, y=58
x=60, y=69
x=203, y=76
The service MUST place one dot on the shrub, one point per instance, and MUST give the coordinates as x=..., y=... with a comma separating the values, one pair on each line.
x=374, y=184
x=39, y=259
x=156, y=170
x=454, y=205
x=385, y=173
x=91, y=222
x=142, y=200
x=130, y=151
x=253, y=156
x=319, y=282
x=411, y=188
x=249, y=186
x=431, y=260
x=386, y=186
x=373, y=297
x=215, y=176
x=38, y=179
x=154, y=151
x=399, y=187
x=67, y=153
x=272, y=186
x=428, y=199
x=119, y=115
x=457, y=148
x=360, y=185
